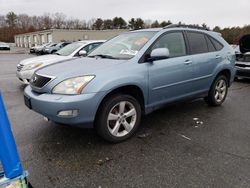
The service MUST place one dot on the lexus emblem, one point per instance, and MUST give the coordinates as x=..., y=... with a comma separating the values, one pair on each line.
x=34, y=79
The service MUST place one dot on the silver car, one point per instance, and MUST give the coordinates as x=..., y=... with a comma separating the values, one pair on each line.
x=27, y=67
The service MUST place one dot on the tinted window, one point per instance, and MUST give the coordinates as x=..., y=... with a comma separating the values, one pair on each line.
x=216, y=44
x=197, y=42
x=210, y=45
x=174, y=42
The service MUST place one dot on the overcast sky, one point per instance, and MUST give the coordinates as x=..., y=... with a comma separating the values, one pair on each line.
x=213, y=12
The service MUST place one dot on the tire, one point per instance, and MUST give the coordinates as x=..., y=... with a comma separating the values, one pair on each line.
x=113, y=122
x=218, y=91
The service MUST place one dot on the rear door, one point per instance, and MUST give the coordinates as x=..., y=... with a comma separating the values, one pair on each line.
x=205, y=59
x=169, y=79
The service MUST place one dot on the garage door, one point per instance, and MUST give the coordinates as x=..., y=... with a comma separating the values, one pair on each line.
x=35, y=40
x=29, y=42
x=49, y=37
x=42, y=39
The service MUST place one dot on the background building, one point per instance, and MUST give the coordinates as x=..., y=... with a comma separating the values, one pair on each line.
x=57, y=35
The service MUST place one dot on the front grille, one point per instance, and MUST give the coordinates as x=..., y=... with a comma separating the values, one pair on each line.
x=19, y=67
x=39, y=81
x=242, y=65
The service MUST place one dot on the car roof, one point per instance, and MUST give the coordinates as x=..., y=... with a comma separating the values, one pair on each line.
x=150, y=29
x=186, y=28
x=90, y=41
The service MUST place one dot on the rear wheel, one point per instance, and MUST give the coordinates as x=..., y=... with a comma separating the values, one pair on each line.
x=118, y=118
x=218, y=91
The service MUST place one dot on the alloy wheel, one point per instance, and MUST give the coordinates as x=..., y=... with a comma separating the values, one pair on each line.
x=122, y=119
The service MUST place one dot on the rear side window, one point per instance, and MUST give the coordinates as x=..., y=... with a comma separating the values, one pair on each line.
x=174, y=42
x=210, y=45
x=197, y=42
x=218, y=46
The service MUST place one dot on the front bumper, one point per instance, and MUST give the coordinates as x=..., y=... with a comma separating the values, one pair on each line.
x=49, y=105
x=243, y=70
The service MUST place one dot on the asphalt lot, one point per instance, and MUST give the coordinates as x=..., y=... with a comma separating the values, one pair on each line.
x=169, y=150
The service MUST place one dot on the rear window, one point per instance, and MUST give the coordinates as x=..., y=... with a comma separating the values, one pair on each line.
x=197, y=42
x=218, y=46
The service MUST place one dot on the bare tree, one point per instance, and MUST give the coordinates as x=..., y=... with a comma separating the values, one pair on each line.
x=24, y=21
x=47, y=21
x=59, y=20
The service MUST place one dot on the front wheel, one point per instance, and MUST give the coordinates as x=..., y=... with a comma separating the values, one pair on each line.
x=218, y=91
x=118, y=118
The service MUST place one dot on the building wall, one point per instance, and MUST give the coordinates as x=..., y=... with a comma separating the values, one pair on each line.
x=58, y=35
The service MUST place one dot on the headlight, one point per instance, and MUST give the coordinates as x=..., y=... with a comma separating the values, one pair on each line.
x=32, y=66
x=72, y=86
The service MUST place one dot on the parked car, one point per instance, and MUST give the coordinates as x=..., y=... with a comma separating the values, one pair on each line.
x=36, y=49
x=27, y=67
x=41, y=51
x=243, y=61
x=132, y=74
x=4, y=46
x=53, y=49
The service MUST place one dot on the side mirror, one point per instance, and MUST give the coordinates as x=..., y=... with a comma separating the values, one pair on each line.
x=82, y=53
x=159, y=53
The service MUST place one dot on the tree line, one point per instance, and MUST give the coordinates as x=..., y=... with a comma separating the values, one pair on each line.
x=12, y=24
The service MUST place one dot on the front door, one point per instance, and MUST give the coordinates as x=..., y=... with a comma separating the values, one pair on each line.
x=170, y=79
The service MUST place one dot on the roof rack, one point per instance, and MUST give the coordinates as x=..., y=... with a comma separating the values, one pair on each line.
x=186, y=26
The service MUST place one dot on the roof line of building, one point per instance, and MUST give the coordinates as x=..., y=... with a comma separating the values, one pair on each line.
x=70, y=30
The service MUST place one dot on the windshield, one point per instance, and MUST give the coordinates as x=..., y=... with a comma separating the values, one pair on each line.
x=124, y=46
x=69, y=49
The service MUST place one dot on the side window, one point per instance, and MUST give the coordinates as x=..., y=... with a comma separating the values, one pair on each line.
x=216, y=44
x=197, y=42
x=174, y=42
x=210, y=45
x=90, y=47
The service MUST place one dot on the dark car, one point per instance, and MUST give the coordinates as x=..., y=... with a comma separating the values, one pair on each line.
x=53, y=49
x=243, y=60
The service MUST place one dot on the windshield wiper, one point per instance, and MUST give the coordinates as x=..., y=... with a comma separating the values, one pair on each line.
x=104, y=56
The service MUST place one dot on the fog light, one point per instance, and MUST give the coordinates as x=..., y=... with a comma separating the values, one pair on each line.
x=68, y=113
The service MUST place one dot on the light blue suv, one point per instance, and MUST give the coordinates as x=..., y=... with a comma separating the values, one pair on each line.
x=132, y=74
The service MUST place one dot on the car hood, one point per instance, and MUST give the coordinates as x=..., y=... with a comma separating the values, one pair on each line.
x=45, y=59
x=78, y=67
x=4, y=45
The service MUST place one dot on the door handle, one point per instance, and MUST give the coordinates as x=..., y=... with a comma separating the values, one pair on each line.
x=188, y=62
x=217, y=57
